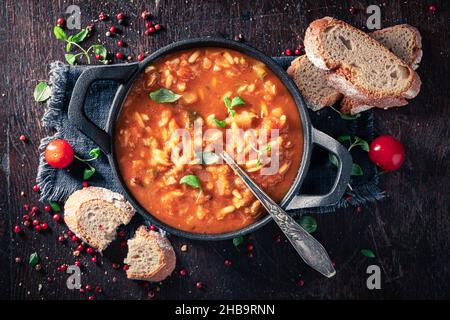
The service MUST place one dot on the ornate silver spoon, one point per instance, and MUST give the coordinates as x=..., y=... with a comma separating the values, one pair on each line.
x=309, y=249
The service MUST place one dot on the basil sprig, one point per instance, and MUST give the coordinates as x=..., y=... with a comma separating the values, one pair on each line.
x=90, y=170
x=74, y=41
x=353, y=141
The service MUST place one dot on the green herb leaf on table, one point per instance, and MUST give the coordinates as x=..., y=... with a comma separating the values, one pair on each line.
x=356, y=170
x=59, y=33
x=191, y=180
x=34, y=259
x=238, y=241
x=55, y=206
x=95, y=153
x=88, y=172
x=164, y=96
x=362, y=143
x=220, y=123
x=344, y=138
x=368, y=253
x=346, y=116
x=70, y=58
x=69, y=44
x=42, y=92
x=80, y=36
x=308, y=223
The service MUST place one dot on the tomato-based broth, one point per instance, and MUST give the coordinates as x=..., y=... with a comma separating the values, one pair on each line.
x=218, y=89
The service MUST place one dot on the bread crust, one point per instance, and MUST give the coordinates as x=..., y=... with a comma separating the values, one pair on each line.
x=85, y=195
x=166, y=255
x=341, y=76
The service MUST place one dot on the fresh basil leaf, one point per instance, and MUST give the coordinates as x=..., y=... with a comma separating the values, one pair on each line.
x=59, y=33
x=70, y=58
x=333, y=159
x=42, y=92
x=344, y=138
x=362, y=143
x=209, y=158
x=95, y=153
x=80, y=36
x=227, y=102
x=308, y=223
x=55, y=206
x=237, y=101
x=98, y=49
x=69, y=44
x=34, y=259
x=164, y=96
x=356, y=170
x=238, y=241
x=191, y=180
x=88, y=172
x=368, y=253
x=220, y=123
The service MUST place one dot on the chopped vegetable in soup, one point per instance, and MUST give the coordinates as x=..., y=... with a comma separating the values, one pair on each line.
x=235, y=100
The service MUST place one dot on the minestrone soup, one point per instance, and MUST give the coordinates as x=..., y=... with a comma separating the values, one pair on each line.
x=224, y=92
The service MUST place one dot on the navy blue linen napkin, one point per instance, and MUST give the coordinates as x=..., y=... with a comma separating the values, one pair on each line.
x=57, y=185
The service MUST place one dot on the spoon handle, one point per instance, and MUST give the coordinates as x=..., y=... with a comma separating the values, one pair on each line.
x=309, y=249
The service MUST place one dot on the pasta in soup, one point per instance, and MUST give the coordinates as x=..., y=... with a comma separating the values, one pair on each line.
x=184, y=108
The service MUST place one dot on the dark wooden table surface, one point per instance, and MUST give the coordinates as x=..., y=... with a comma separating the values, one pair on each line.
x=409, y=231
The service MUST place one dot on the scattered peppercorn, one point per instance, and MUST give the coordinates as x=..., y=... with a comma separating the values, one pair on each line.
x=98, y=57
x=120, y=16
x=288, y=52
x=102, y=16
x=150, y=294
x=183, y=272
x=88, y=287
x=432, y=8
x=227, y=263
x=38, y=267
x=38, y=228
x=89, y=250
x=36, y=188
x=112, y=29
x=352, y=10
x=60, y=22
x=26, y=223
x=47, y=208
x=199, y=285
x=78, y=263
x=121, y=234
x=35, y=222
x=18, y=260
x=62, y=268
x=44, y=226
x=91, y=298
x=115, y=265
x=297, y=52
x=125, y=267
x=26, y=207
x=152, y=227
x=119, y=55
x=98, y=289
x=84, y=184
x=120, y=43
x=94, y=259
x=74, y=238
x=250, y=247
x=158, y=26
x=25, y=217
x=17, y=229
x=140, y=56
x=22, y=138
x=56, y=217
x=80, y=247
x=301, y=283
x=61, y=238
x=148, y=24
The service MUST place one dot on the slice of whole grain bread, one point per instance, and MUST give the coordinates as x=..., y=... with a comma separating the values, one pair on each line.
x=94, y=214
x=150, y=256
x=361, y=68
x=403, y=40
x=406, y=43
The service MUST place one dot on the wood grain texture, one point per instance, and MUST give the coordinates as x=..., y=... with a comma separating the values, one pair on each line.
x=409, y=232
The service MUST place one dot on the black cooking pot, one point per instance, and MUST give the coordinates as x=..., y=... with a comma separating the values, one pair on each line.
x=125, y=74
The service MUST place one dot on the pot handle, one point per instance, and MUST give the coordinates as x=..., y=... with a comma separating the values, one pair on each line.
x=121, y=73
x=342, y=178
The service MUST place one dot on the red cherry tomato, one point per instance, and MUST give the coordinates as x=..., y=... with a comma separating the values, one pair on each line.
x=387, y=153
x=59, y=153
